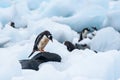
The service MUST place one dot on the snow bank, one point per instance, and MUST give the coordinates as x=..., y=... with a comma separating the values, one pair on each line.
x=113, y=16
x=100, y=66
x=13, y=34
x=114, y=5
x=113, y=19
x=5, y=3
x=10, y=66
x=20, y=13
x=78, y=64
x=6, y=15
x=60, y=32
x=106, y=39
x=44, y=74
x=33, y=4
x=87, y=17
x=4, y=40
x=61, y=19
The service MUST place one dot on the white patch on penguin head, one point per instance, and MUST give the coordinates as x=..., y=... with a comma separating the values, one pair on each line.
x=49, y=36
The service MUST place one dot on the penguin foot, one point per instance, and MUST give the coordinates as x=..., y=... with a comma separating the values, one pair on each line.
x=42, y=51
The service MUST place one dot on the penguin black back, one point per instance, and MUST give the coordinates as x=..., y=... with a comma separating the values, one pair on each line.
x=39, y=37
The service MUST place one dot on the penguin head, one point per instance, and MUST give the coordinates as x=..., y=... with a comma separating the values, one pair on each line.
x=94, y=28
x=85, y=30
x=48, y=35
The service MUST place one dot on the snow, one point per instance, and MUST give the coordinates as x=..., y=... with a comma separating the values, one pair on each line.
x=63, y=19
x=106, y=39
x=5, y=3
x=64, y=32
x=86, y=17
x=5, y=14
x=114, y=18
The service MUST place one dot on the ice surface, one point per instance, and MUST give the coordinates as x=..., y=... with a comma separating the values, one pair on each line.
x=63, y=19
x=106, y=39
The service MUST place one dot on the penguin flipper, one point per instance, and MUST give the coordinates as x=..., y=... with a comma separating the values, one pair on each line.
x=81, y=37
x=39, y=37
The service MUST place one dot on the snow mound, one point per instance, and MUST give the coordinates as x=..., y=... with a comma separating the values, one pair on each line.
x=113, y=19
x=6, y=14
x=87, y=17
x=62, y=19
x=9, y=65
x=106, y=39
x=5, y=3
x=60, y=32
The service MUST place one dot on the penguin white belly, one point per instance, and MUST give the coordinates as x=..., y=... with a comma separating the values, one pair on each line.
x=85, y=34
x=43, y=43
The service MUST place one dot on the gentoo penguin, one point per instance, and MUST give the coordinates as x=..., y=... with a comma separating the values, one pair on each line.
x=83, y=34
x=93, y=33
x=41, y=41
x=69, y=45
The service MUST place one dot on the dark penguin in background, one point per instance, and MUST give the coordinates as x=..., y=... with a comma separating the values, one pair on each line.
x=83, y=34
x=69, y=45
x=12, y=24
x=41, y=41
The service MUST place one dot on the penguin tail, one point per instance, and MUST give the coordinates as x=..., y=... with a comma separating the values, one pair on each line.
x=31, y=53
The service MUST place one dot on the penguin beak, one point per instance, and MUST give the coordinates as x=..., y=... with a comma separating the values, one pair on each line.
x=51, y=38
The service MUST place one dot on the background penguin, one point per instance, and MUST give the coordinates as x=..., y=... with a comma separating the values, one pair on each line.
x=69, y=45
x=12, y=24
x=83, y=34
x=93, y=33
x=41, y=41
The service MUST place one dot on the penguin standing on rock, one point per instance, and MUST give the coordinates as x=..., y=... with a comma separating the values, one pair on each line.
x=41, y=41
x=83, y=34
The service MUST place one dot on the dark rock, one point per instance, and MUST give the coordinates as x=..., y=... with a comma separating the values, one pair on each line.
x=39, y=58
x=46, y=56
x=30, y=64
